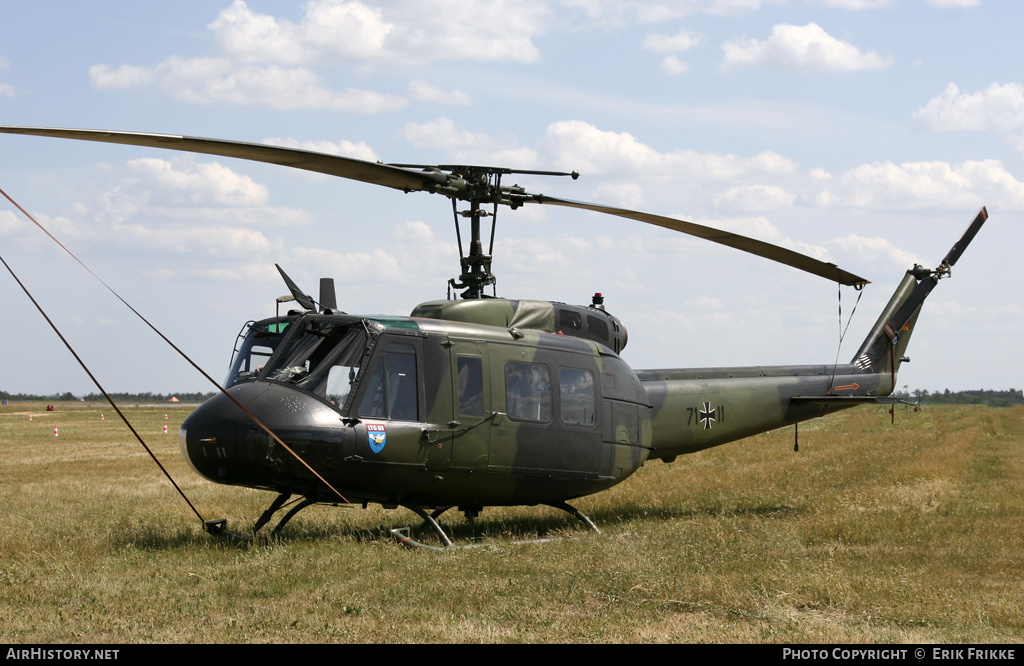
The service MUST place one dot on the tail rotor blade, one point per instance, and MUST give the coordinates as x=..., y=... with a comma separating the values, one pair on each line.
x=965, y=240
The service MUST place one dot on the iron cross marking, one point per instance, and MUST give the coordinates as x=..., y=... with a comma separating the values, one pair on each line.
x=707, y=415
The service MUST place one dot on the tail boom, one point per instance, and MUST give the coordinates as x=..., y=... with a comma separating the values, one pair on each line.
x=700, y=408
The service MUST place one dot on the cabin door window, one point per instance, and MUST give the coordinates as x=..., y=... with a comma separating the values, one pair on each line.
x=528, y=391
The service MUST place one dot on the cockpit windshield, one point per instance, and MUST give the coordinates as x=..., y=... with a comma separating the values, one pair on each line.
x=322, y=358
x=260, y=342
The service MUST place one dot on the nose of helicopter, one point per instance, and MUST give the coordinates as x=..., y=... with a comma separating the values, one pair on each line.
x=223, y=443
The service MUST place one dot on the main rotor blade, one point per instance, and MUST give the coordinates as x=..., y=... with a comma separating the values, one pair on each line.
x=409, y=180
x=756, y=247
x=332, y=165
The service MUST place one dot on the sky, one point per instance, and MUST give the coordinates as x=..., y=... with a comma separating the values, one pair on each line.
x=867, y=133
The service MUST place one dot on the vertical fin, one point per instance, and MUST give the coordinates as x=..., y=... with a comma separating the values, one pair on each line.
x=884, y=347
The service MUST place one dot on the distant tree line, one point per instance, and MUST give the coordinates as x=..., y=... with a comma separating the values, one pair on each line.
x=117, y=397
x=987, y=397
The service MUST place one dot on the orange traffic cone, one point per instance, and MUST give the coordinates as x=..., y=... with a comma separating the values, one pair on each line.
x=165, y=428
x=55, y=431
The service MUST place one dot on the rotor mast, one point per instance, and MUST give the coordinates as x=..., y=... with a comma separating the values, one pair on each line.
x=476, y=265
x=479, y=186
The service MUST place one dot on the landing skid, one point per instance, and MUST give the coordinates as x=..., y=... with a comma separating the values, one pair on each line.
x=403, y=535
x=429, y=520
x=276, y=506
x=582, y=517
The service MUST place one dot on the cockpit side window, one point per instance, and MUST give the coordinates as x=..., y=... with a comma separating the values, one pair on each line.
x=340, y=380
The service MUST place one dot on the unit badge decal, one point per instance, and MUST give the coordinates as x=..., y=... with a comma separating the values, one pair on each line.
x=378, y=436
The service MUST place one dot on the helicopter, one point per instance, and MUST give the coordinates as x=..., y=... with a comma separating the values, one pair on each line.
x=477, y=401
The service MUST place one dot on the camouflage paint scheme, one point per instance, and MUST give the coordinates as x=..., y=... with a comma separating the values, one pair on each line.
x=444, y=457
x=405, y=429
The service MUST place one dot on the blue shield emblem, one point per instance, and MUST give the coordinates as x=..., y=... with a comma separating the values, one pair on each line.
x=377, y=434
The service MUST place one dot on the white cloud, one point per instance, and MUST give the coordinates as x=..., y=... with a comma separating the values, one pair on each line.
x=200, y=183
x=266, y=61
x=103, y=77
x=211, y=80
x=855, y=4
x=352, y=268
x=334, y=30
x=468, y=147
x=673, y=66
x=583, y=146
x=487, y=30
x=952, y=4
x=998, y=108
x=969, y=184
x=359, y=151
x=623, y=195
x=440, y=132
x=11, y=224
x=329, y=30
x=754, y=198
x=416, y=232
x=871, y=249
x=704, y=303
x=182, y=193
x=756, y=226
x=422, y=253
x=618, y=13
x=425, y=92
x=806, y=47
x=535, y=257
x=6, y=89
x=248, y=273
x=62, y=227
x=216, y=241
x=684, y=40
x=283, y=88
x=729, y=7
x=593, y=150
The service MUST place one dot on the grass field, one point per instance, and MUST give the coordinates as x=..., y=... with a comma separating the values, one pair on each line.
x=872, y=532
